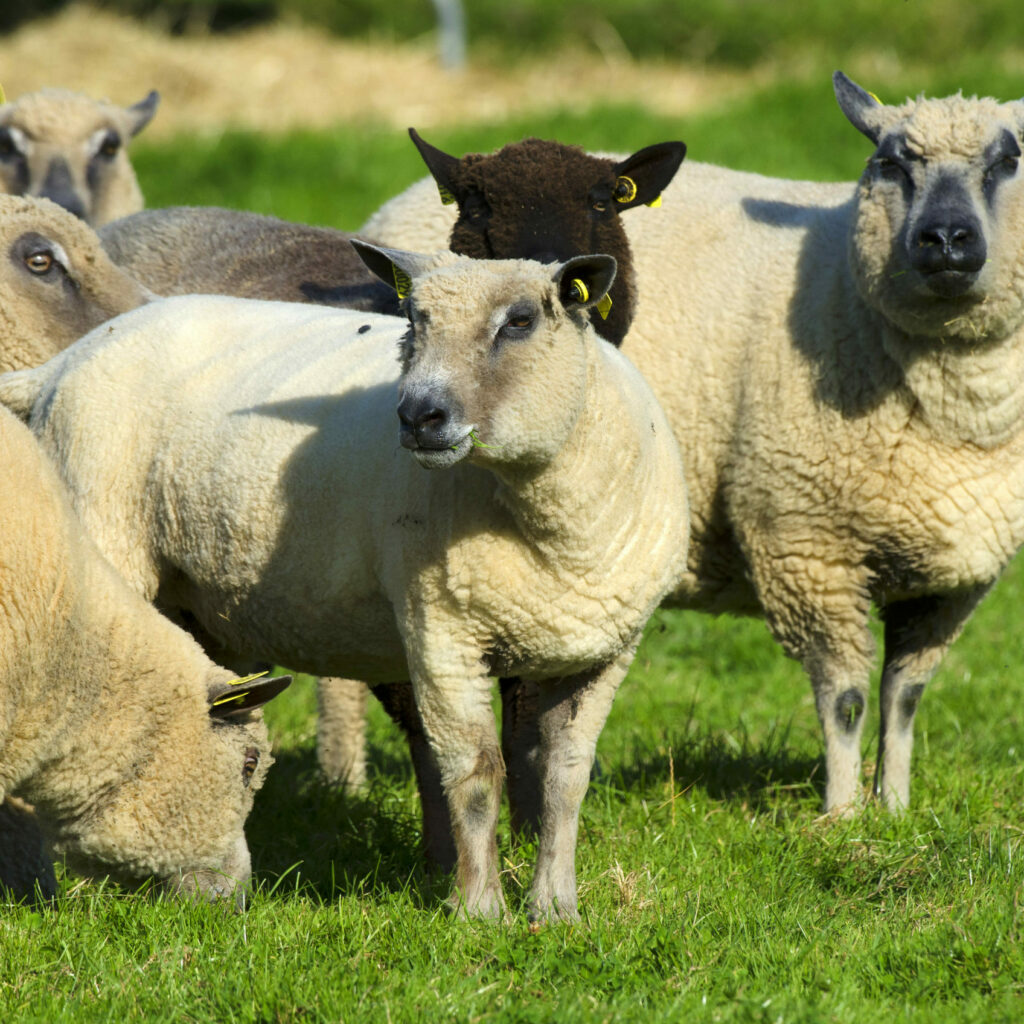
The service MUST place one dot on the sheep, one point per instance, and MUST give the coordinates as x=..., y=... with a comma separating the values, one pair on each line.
x=182, y=250
x=266, y=497
x=70, y=148
x=843, y=364
x=140, y=757
x=56, y=282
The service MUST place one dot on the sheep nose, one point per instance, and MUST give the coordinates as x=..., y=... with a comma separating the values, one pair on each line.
x=946, y=245
x=423, y=422
x=59, y=188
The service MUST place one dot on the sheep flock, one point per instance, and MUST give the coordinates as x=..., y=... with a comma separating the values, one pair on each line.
x=538, y=394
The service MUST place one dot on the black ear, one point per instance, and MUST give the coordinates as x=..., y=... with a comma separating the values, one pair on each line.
x=857, y=103
x=584, y=281
x=246, y=695
x=143, y=111
x=441, y=165
x=395, y=267
x=642, y=177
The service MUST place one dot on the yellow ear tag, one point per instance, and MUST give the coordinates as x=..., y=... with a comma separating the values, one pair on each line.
x=875, y=98
x=604, y=307
x=578, y=290
x=231, y=698
x=446, y=197
x=403, y=283
x=625, y=189
x=249, y=679
x=656, y=201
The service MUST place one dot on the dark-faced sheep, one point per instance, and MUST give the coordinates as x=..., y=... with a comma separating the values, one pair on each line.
x=69, y=148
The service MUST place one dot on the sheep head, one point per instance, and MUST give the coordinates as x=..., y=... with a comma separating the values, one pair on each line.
x=549, y=202
x=494, y=364
x=936, y=244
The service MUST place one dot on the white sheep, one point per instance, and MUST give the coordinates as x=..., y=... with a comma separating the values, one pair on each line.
x=56, y=282
x=844, y=364
x=61, y=145
x=265, y=494
x=133, y=747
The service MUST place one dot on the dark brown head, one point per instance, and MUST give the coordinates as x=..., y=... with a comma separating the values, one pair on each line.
x=549, y=202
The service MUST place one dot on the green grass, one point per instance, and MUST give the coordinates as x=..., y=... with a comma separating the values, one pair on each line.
x=709, y=890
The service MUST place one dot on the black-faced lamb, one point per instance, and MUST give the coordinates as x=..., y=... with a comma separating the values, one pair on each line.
x=139, y=755
x=69, y=148
x=56, y=282
x=845, y=366
x=300, y=533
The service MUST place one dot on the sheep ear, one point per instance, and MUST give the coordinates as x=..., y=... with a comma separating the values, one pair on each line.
x=584, y=281
x=245, y=695
x=642, y=177
x=395, y=267
x=141, y=113
x=860, y=107
x=441, y=165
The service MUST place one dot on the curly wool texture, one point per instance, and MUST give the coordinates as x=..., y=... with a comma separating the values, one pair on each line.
x=848, y=435
x=43, y=313
x=303, y=535
x=104, y=725
x=205, y=250
x=67, y=127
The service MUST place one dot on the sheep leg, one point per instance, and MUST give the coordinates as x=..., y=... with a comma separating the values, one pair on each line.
x=917, y=635
x=26, y=870
x=341, y=732
x=520, y=746
x=572, y=712
x=459, y=722
x=438, y=844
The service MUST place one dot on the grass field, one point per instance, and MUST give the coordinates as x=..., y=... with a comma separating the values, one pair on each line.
x=709, y=889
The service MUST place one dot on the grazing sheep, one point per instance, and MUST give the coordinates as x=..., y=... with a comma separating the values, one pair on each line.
x=265, y=496
x=132, y=746
x=56, y=282
x=546, y=201
x=188, y=250
x=64, y=146
x=845, y=364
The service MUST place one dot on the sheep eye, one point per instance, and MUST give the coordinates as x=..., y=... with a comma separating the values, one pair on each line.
x=600, y=207
x=519, y=323
x=39, y=262
x=252, y=759
x=7, y=147
x=110, y=145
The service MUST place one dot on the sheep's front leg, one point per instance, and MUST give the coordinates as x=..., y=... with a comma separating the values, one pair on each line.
x=341, y=732
x=917, y=635
x=459, y=723
x=572, y=712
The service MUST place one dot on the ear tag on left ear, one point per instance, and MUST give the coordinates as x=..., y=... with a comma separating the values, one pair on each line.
x=656, y=201
x=3, y=98
x=625, y=189
x=230, y=698
x=578, y=290
x=604, y=307
x=403, y=283
x=447, y=197
x=875, y=98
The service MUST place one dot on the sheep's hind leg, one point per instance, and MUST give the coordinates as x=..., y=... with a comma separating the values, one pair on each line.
x=572, y=712
x=341, y=732
x=520, y=745
x=918, y=633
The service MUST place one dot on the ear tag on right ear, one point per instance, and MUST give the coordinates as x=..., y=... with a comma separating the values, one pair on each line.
x=656, y=201
x=578, y=290
x=3, y=98
x=875, y=98
x=604, y=307
x=229, y=698
x=447, y=197
x=625, y=189
x=403, y=283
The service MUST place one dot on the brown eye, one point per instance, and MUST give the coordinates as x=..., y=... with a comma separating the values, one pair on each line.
x=110, y=145
x=252, y=759
x=39, y=262
x=600, y=207
x=520, y=322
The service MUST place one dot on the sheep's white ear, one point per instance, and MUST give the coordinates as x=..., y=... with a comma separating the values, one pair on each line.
x=584, y=281
x=642, y=177
x=245, y=695
x=441, y=165
x=860, y=107
x=141, y=113
x=395, y=267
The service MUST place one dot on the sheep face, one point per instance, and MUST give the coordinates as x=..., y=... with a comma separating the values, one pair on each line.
x=936, y=243
x=549, y=202
x=71, y=149
x=180, y=819
x=494, y=364
x=56, y=282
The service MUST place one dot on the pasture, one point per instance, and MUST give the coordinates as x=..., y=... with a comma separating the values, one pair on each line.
x=709, y=889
